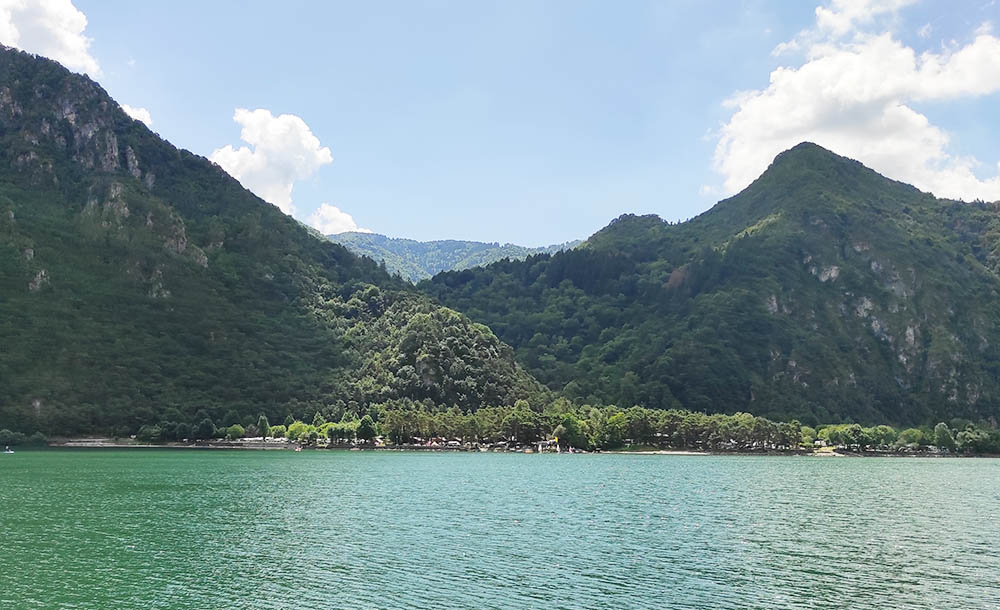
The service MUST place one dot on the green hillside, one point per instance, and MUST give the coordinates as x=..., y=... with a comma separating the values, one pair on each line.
x=141, y=283
x=823, y=291
x=419, y=260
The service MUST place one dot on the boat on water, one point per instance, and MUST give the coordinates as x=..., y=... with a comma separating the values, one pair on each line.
x=8, y=450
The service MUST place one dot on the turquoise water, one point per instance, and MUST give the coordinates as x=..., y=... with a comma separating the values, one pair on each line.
x=221, y=529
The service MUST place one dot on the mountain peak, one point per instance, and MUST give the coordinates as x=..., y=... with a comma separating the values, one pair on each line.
x=808, y=155
x=806, y=147
x=808, y=175
x=807, y=162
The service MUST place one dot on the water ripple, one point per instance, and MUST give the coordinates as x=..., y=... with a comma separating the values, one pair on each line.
x=319, y=530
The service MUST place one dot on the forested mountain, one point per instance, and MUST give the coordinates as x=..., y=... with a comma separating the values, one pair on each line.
x=419, y=260
x=141, y=283
x=823, y=291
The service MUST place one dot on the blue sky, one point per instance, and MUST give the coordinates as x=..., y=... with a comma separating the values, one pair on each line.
x=538, y=122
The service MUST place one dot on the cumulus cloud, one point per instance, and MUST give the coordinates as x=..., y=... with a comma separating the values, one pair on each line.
x=282, y=149
x=855, y=95
x=840, y=18
x=844, y=16
x=329, y=219
x=139, y=114
x=53, y=28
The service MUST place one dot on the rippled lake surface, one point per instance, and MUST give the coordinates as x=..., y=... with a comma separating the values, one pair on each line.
x=221, y=529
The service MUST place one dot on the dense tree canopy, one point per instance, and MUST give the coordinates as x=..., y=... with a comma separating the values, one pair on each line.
x=594, y=427
x=144, y=291
x=140, y=283
x=823, y=292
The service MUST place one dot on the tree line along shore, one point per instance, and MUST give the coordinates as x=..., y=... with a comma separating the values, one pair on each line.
x=558, y=425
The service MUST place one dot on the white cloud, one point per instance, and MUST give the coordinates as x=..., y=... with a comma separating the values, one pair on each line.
x=855, y=96
x=139, y=114
x=839, y=19
x=329, y=219
x=844, y=16
x=282, y=150
x=925, y=31
x=53, y=28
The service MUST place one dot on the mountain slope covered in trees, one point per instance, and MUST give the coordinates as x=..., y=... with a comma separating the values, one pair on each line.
x=141, y=283
x=823, y=291
x=419, y=260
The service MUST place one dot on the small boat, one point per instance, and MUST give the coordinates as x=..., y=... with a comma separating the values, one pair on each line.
x=8, y=450
x=298, y=449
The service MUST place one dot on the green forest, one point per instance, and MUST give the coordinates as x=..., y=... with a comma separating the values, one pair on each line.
x=144, y=291
x=823, y=292
x=404, y=422
x=138, y=281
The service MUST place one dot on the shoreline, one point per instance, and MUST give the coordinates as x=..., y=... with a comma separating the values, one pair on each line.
x=106, y=443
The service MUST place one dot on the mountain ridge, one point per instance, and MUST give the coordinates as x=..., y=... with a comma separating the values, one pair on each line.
x=417, y=260
x=141, y=283
x=798, y=297
x=135, y=276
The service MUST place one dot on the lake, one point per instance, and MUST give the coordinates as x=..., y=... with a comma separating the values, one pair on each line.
x=241, y=529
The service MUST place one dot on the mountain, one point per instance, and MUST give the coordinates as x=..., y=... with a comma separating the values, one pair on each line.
x=823, y=291
x=419, y=260
x=141, y=283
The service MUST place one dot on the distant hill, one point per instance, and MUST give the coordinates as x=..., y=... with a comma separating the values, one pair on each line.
x=419, y=260
x=823, y=291
x=141, y=283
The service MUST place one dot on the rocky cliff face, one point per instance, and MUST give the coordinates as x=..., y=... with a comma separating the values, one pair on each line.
x=65, y=134
x=72, y=116
x=909, y=300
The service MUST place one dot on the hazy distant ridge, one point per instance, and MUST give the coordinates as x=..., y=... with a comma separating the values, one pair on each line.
x=419, y=260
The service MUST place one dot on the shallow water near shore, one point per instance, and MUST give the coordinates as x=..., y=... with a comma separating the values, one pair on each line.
x=269, y=530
